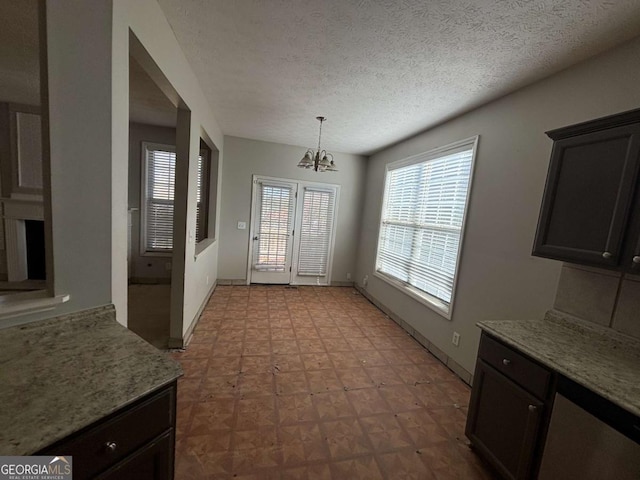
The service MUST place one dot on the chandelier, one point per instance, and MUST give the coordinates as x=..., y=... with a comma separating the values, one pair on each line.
x=319, y=160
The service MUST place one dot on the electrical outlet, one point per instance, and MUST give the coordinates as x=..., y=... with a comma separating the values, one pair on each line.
x=207, y=279
x=348, y=276
x=455, y=339
x=167, y=266
x=365, y=281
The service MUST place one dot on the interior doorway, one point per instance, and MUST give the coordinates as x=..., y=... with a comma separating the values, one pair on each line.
x=152, y=187
x=292, y=231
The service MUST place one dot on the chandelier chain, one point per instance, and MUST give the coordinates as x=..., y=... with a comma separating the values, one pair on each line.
x=320, y=134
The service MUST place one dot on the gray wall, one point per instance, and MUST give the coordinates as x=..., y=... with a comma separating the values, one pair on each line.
x=146, y=20
x=144, y=267
x=601, y=296
x=244, y=158
x=90, y=146
x=498, y=277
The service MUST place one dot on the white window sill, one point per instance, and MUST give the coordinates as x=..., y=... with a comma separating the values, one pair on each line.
x=203, y=245
x=156, y=254
x=16, y=304
x=427, y=300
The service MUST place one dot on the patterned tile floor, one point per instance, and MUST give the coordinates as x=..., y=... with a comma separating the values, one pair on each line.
x=315, y=383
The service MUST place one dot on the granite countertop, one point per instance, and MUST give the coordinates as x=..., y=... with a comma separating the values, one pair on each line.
x=599, y=359
x=60, y=375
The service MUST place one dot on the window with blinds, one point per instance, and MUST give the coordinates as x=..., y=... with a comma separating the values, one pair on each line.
x=202, y=192
x=316, y=231
x=158, y=186
x=423, y=214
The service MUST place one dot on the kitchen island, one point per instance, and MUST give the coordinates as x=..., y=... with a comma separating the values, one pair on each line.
x=71, y=381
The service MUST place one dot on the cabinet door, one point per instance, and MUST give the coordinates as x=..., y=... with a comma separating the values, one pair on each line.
x=631, y=257
x=152, y=462
x=503, y=423
x=110, y=441
x=588, y=196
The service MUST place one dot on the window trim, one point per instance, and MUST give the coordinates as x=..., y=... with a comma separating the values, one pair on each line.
x=212, y=195
x=144, y=177
x=205, y=154
x=430, y=301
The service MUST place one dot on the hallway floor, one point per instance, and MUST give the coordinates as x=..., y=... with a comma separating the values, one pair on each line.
x=148, y=312
x=315, y=383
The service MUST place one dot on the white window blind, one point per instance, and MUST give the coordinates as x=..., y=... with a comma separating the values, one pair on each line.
x=315, y=235
x=202, y=196
x=276, y=211
x=160, y=183
x=423, y=213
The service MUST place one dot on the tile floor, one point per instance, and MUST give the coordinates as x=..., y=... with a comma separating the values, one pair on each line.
x=148, y=313
x=315, y=383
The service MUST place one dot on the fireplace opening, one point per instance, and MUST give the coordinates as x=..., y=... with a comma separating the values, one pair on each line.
x=36, y=265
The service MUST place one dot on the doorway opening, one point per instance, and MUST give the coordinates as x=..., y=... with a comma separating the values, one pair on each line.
x=152, y=178
x=293, y=225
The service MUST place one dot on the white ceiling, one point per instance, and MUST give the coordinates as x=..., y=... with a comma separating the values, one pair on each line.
x=380, y=70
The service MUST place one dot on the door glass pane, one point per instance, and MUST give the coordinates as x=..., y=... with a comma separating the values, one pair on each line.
x=315, y=233
x=276, y=203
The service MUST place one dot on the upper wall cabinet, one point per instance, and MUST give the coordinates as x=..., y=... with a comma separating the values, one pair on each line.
x=589, y=212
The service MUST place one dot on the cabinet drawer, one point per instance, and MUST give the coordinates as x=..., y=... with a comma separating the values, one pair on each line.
x=109, y=441
x=152, y=462
x=525, y=372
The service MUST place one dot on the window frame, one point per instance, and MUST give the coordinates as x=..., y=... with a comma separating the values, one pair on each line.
x=437, y=305
x=205, y=201
x=144, y=179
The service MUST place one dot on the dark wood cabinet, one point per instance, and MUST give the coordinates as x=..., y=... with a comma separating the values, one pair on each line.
x=509, y=409
x=136, y=442
x=154, y=460
x=587, y=213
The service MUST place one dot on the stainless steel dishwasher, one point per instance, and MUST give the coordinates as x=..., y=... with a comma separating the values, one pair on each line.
x=590, y=438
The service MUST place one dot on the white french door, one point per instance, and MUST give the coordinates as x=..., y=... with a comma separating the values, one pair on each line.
x=293, y=231
x=314, y=244
x=273, y=222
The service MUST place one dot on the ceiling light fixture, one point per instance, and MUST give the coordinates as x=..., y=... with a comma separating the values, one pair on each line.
x=318, y=160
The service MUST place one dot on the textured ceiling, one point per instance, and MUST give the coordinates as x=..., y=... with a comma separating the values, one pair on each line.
x=19, y=68
x=380, y=70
